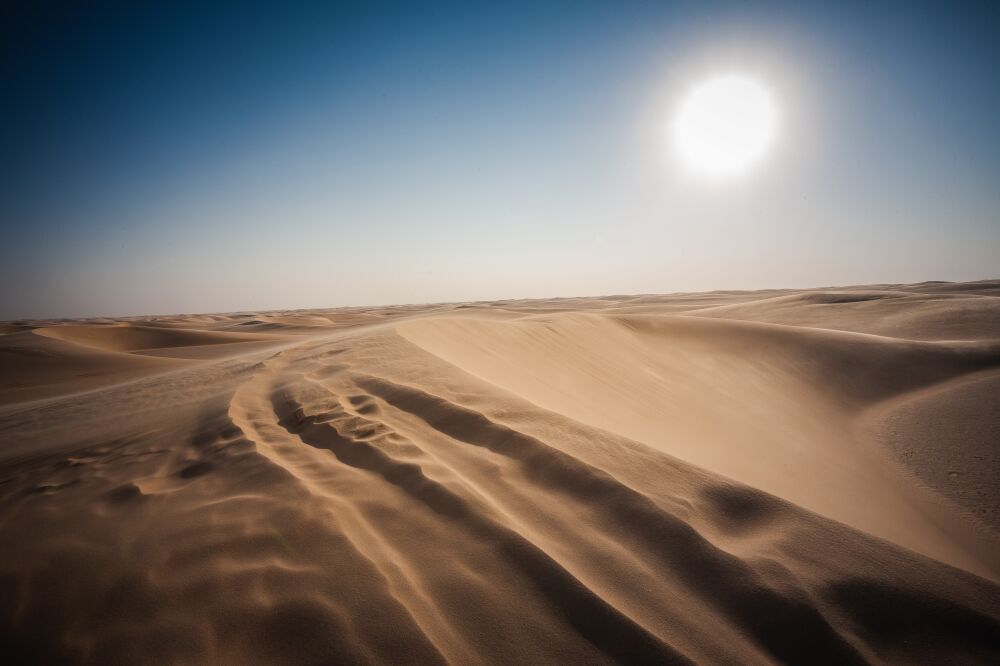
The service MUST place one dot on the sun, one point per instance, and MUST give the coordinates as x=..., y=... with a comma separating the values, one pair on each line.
x=724, y=126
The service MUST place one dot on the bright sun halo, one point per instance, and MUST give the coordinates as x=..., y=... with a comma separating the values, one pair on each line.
x=724, y=126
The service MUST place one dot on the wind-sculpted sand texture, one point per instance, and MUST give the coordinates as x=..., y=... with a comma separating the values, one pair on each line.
x=732, y=477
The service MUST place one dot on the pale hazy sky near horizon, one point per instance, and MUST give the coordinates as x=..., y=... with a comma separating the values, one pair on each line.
x=203, y=157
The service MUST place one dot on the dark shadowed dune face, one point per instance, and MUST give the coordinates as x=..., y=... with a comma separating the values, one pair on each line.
x=735, y=477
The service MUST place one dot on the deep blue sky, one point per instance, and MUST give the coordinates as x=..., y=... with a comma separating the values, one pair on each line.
x=194, y=157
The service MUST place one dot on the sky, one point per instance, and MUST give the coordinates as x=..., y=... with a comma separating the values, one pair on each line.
x=160, y=158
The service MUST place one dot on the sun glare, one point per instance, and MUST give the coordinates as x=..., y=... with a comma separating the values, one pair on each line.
x=724, y=126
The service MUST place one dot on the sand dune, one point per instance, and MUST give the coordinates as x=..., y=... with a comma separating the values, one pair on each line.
x=710, y=392
x=36, y=366
x=131, y=338
x=943, y=316
x=938, y=432
x=55, y=360
x=735, y=477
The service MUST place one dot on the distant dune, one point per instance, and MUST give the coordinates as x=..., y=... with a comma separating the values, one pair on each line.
x=807, y=476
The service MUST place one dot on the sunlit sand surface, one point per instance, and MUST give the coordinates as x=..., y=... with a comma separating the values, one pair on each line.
x=798, y=476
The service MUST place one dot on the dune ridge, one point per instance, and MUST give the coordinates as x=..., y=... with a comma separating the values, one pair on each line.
x=612, y=480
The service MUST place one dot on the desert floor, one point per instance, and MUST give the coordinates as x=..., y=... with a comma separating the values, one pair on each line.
x=797, y=476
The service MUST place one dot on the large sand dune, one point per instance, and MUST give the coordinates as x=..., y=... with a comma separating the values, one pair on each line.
x=734, y=477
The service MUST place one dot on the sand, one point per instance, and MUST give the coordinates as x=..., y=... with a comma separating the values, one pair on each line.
x=787, y=476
